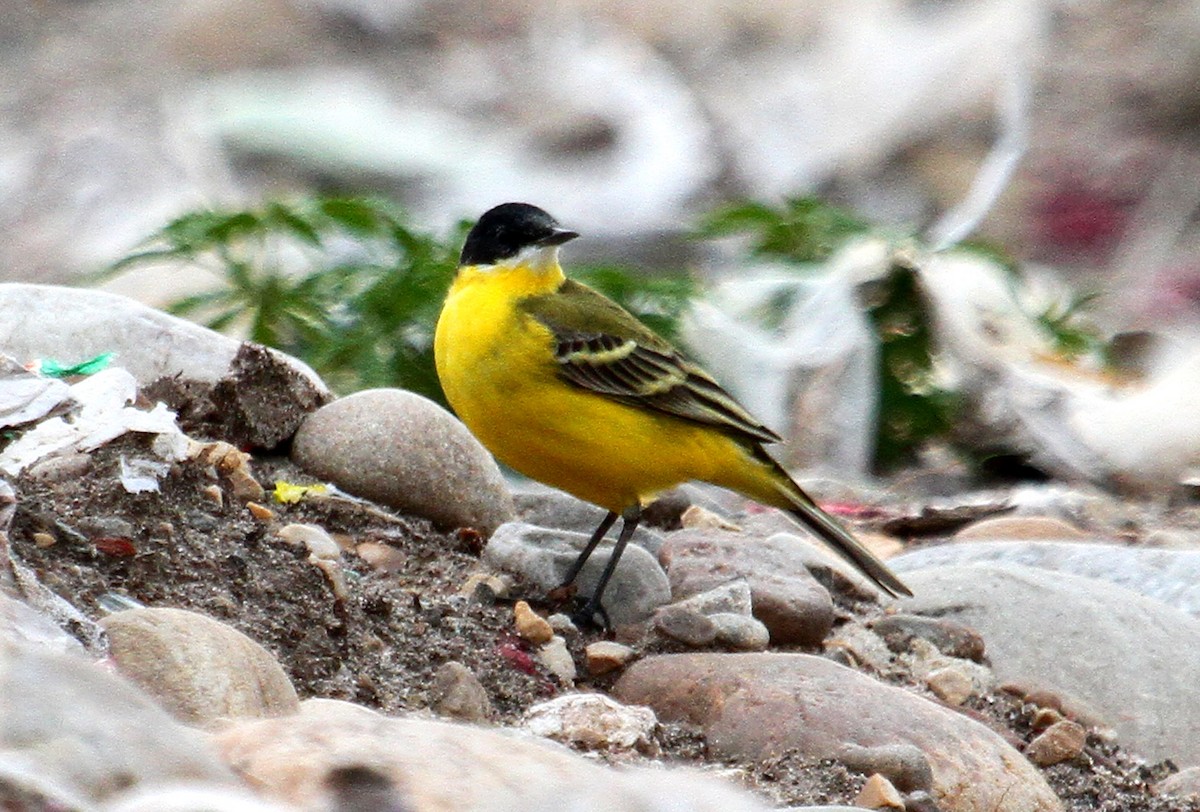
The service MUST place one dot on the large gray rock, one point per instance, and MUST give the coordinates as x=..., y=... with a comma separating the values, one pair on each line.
x=756, y=706
x=200, y=669
x=1170, y=576
x=1127, y=656
x=334, y=752
x=541, y=557
x=75, y=324
x=84, y=729
x=405, y=451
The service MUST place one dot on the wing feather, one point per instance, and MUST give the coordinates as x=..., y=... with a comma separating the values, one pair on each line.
x=601, y=348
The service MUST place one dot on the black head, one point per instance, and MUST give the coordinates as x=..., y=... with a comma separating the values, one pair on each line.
x=503, y=231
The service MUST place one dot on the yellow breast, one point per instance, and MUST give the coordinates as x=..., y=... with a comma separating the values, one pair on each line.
x=498, y=372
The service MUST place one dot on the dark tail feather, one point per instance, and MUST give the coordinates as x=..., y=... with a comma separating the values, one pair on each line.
x=848, y=547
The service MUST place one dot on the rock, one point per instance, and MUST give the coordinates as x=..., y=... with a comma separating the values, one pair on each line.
x=784, y=594
x=485, y=588
x=382, y=557
x=1185, y=783
x=22, y=624
x=733, y=596
x=1062, y=741
x=592, y=722
x=200, y=669
x=74, y=324
x=543, y=506
x=755, y=706
x=685, y=625
x=1170, y=576
x=740, y=632
x=405, y=451
x=259, y=403
x=530, y=625
x=878, y=793
x=1019, y=528
x=1074, y=635
x=557, y=659
x=699, y=518
x=191, y=798
x=950, y=638
x=460, y=695
x=604, y=656
x=92, y=733
x=950, y=685
x=418, y=764
x=541, y=558
x=904, y=765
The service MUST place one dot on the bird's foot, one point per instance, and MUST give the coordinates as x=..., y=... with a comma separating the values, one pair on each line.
x=592, y=616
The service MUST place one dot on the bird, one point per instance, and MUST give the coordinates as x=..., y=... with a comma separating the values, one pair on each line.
x=566, y=387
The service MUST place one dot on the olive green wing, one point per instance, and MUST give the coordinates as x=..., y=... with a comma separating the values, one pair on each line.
x=602, y=348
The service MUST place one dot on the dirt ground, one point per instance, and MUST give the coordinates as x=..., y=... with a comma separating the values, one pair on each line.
x=86, y=537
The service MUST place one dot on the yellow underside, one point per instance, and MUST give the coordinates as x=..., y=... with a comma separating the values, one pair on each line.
x=497, y=369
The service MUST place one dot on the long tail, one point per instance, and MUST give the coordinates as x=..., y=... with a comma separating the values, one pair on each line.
x=846, y=545
x=777, y=488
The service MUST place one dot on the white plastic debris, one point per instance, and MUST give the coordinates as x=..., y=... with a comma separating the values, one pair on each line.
x=104, y=414
x=25, y=396
x=142, y=475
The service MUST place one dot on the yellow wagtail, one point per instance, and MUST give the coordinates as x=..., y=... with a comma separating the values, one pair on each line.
x=566, y=387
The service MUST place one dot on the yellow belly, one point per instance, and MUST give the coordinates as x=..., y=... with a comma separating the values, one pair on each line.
x=497, y=369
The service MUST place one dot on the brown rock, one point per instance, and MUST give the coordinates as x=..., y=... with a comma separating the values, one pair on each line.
x=1061, y=741
x=383, y=557
x=755, y=706
x=788, y=600
x=950, y=638
x=685, y=625
x=878, y=793
x=1020, y=528
x=530, y=625
x=604, y=656
x=200, y=669
x=418, y=764
x=950, y=685
x=460, y=695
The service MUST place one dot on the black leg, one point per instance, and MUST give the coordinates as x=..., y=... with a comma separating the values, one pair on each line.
x=630, y=519
x=582, y=558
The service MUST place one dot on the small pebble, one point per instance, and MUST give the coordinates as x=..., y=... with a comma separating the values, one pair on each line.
x=484, y=588
x=319, y=543
x=740, y=632
x=593, y=722
x=562, y=624
x=697, y=517
x=1045, y=717
x=950, y=685
x=557, y=660
x=213, y=494
x=878, y=793
x=605, y=656
x=459, y=693
x=44, y=540
x=685, y=626
x=530, y=625
x=382, y=557
x=1062, y=741
x=260, y=512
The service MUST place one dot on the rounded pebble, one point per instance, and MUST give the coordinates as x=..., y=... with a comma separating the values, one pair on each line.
x=605, y=656
x=200, y=669
x=405, y=451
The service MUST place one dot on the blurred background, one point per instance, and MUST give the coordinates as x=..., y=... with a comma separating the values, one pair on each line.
x=624, y=119
x=1063, y=132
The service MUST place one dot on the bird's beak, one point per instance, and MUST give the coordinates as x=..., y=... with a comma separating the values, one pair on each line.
x=558, y=237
